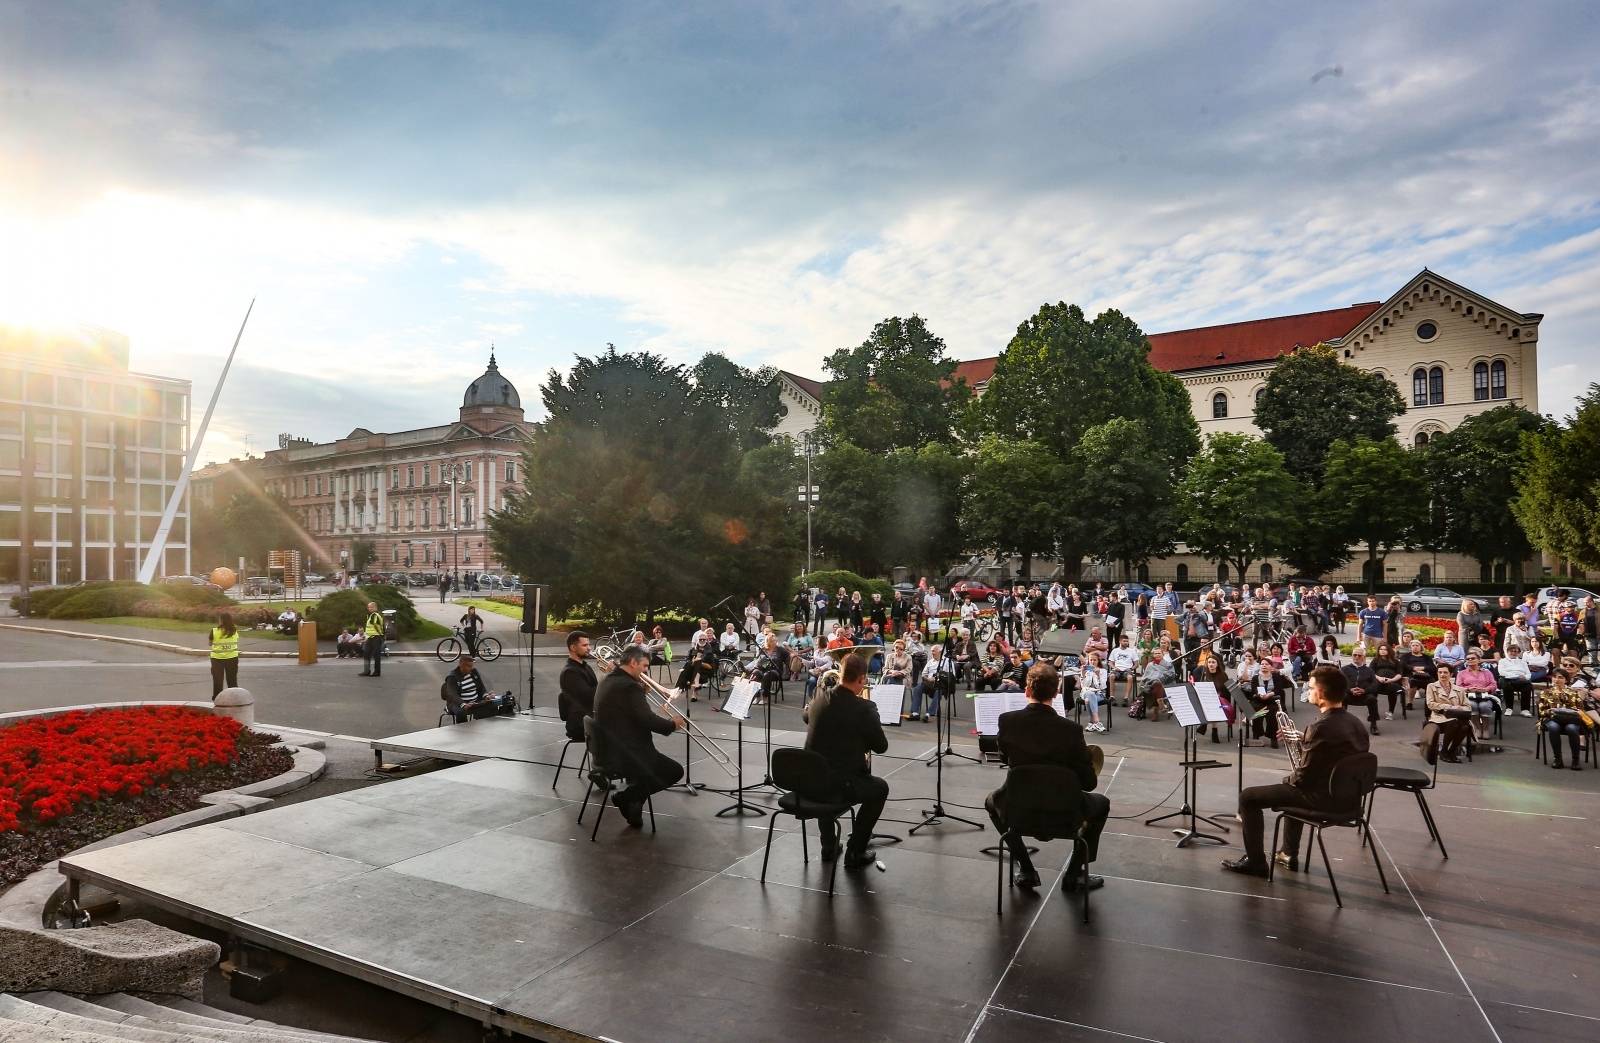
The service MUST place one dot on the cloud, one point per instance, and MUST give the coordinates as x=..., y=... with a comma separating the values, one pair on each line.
x=400, y=190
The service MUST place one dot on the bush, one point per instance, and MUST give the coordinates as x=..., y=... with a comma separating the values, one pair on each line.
x=830, y=580
x=348, y=608
x=187, y=594
x=43, y=601
x=97, y=601
x=123, y=598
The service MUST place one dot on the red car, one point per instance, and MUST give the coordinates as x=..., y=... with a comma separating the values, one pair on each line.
x=973, y=590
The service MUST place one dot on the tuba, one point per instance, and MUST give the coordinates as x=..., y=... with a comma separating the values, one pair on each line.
x=1293, y=740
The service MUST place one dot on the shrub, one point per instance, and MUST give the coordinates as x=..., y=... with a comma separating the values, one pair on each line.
x=348, y=608
x=187, y=594
x=97, y=601
x=42, y=602
x=830, y=580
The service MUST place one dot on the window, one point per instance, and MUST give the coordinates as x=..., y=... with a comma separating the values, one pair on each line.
x=1427, y=331
x=424, y=515
x=466, y=512
x=394, y=477
x=1480, y=382
x=394, y=517
x=1497, y=379
x=1420, y=440
x=1424, y=573
x=511, y=471
x=1258, y=398
x=1183, y=570
x=1266, y=572
x=1435, y=386
x=469, y=471
x=1219, y=407
x=396, y=554
x=1419, y=387
x=411, y=476
x=427, y=474
x=1222, y=573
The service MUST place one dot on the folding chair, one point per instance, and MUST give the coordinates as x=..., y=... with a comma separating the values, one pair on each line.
x=806, y=782
x=605, y=779
x=1042, y=802
x=1349, y=789
x=1410, y=780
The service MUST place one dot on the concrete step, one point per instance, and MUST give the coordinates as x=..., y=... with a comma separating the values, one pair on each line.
x=135, y=1020
x=23, y=1032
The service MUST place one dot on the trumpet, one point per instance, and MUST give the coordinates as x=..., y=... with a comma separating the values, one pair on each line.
x=660, y=696
x=1292, y=738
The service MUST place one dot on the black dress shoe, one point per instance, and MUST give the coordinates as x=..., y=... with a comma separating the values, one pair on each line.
x=1074, y=883
x=1030, y=881
x=1287, y=861
x=366, y=673
x=632, y=810
x=1245, y=866
x=854, y=859
x=1373, y=727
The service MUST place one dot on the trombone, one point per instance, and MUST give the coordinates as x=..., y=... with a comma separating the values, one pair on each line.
x=661, y=697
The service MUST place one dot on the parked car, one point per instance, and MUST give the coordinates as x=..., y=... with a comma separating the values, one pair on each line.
x=1135, y=589
x=313, y=578
x=1547, y=594
x=977, y=590
x=262, y=587
x=1433, y=599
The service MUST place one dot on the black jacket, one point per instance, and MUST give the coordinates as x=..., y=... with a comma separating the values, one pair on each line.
x=625, y=721
x=577, y=691
x=1037, y=734
x=846, y=731
x=1362, y=677
x=450, y=691
x=1331, y=738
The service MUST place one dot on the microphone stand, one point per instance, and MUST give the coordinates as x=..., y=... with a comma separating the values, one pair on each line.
x=937, y=813
x=688, y=785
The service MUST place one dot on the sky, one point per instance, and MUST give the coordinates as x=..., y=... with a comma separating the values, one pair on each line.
x=400, y=185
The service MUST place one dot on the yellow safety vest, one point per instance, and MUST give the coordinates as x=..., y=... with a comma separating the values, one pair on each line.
x=375, y=625
x=224, y=646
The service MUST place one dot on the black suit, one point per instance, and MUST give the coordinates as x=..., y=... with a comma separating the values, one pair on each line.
x=847, y=728
x=1037, y=734
x=624, y=724
x=577, y=696
x=1333, y=736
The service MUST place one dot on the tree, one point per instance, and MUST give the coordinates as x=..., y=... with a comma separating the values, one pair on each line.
x=847, y=521
x=1559, y=486
x=921, y=517
x=1060, y=377
x=895, y=390
x=1011, y=497
x=747, y=398
x=256, y=522
x=1373, y=493
x=1313, y=547
x=1471, y=473
x=635, y=498
x=362, y=554
x=1311, y=396
x=1237, y=503
x=1124, y=505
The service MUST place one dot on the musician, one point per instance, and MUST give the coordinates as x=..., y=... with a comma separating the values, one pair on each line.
x=577, y=685
x=844, y=727
x=1559, y=714
x=1039, y=735
x=1333, y=736
x=625, y=721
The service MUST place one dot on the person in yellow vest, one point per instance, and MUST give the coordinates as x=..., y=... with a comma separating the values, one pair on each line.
x=224, y=655
x=372, y=649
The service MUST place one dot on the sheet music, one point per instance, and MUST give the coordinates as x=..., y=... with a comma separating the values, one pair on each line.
x=889, y=698
x=1182, y=703
x=987, y=710
x=742, y=695
x=1210, y=702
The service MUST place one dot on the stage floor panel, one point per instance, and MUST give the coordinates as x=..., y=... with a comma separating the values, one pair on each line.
x=475, y=888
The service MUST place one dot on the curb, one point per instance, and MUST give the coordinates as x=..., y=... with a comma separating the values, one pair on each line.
x=25, y=903
x=202, y=653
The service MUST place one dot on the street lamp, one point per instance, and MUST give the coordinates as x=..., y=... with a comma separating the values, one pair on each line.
x=453, y=475
x=808, y=493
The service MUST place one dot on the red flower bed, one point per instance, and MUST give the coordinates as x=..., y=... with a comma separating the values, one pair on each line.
x=53, y=766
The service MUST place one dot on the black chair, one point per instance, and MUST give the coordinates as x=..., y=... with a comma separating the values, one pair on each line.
x=562, y=760
x=1043, y=802
x=808, y=787
x=1410, y=780
x=1586, y=744
x=1349, y=789
x=606, y=778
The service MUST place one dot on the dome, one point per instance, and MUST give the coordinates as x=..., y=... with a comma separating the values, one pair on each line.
x=491, y=389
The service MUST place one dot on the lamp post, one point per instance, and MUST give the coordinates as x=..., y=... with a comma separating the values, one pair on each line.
x=453, y=475
x=808, y=492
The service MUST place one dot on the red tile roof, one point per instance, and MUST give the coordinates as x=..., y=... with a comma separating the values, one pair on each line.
x=1231, y=344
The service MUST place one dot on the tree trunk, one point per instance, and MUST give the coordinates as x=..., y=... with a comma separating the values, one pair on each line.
x=1374, y=568
x=1027, y=566
x=1071, y=567
x=1517, y=579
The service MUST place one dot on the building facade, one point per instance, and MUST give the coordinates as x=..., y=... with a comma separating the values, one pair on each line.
x=421, y=498
x=90, y=453
x=1451, y=351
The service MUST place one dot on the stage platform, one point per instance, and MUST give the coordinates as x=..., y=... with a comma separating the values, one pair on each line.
x=473, y=887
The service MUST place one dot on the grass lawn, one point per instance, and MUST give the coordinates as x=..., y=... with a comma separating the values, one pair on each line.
x=665, y=618
x=427, y=631
x=498, y=608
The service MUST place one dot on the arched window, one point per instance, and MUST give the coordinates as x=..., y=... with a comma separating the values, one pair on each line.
x=1183, y=573
x=1420, y=440
x=1435, y=386
x=1266, y=572
x=1259, y=390
x=1144, y=573
x=1499, y=572
x=1424, y=575
x=1419, y=387
x=1480, y=382
x=1219, y=406
x=1497, y=379
x=1222, y=573
x=1484, y=573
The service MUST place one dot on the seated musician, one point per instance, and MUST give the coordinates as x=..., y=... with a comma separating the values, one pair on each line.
x=844, y=727
x=622, y=715
x=577, y=685
x=1037, y=734
x=1333, y=736
x=1561, y=709
x=464, y=690
x=1448, y=708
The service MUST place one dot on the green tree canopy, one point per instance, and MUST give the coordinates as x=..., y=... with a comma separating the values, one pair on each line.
x=255, y=522
x=748, y=398
x=1559, y=487
x=1311, y=397
x=635, y=497
x=1472, y=473
x=1374, y=495
x=1124, y=503
x=1012, y=496
x=1238, y=502
x=877, y=511
x=895, y=390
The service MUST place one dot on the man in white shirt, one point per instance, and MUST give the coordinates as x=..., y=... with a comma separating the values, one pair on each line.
x=932, y=604
x=936, y=674
x=1124, y=660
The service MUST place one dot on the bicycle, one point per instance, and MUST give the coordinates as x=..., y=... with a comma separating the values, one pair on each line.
x=452, y=648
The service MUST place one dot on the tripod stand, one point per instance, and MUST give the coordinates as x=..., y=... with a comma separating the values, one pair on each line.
x=1192, y=765
x=947, y=687
x=688, y=785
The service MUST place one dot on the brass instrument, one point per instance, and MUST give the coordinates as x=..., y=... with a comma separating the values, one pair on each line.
x=1292, y=739
x=1097, y=759
x=660, y=696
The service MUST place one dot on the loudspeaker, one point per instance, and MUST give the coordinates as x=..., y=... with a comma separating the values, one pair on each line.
x=535, y=596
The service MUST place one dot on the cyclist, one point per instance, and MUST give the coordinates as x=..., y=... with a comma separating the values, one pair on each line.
x=470, y=624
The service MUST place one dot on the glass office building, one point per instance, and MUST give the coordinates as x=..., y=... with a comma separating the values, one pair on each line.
x=90, y=452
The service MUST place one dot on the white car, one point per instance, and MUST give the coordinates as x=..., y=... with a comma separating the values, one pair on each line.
x=1547, y=594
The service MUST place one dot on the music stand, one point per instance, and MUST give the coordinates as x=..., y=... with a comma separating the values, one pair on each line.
x=1193, y=711
x=688, y=785
x=737, y=705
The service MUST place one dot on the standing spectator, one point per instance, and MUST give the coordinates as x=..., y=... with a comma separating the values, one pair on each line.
x=819, y=603
x=1529, y=611
x=224, y=655
x=1393, y=616
x=802, y=607
x=858, y=612
x=1566, y=624
x=764, y=604
x=1008, y=601
x=1501, y=617
x=752, y=621
x=878, y=616
x=1469, y=623
x=932, y=604
x=1372, y=620
x=1591, y=629
x=898, y=610
x=1340, y=608
x=1515, y=633
x=841, y=606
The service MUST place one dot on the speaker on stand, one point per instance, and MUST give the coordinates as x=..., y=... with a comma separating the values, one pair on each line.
x=535, y=598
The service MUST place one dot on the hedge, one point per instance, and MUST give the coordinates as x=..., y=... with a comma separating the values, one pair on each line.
x=348, y=608
x=830, y=580
x=118, y=598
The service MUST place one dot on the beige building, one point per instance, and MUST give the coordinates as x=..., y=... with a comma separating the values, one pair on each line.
x=1451, y=352
x=422, y=497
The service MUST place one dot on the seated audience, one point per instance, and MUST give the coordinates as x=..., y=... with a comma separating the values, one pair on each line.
x=1445, y=703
